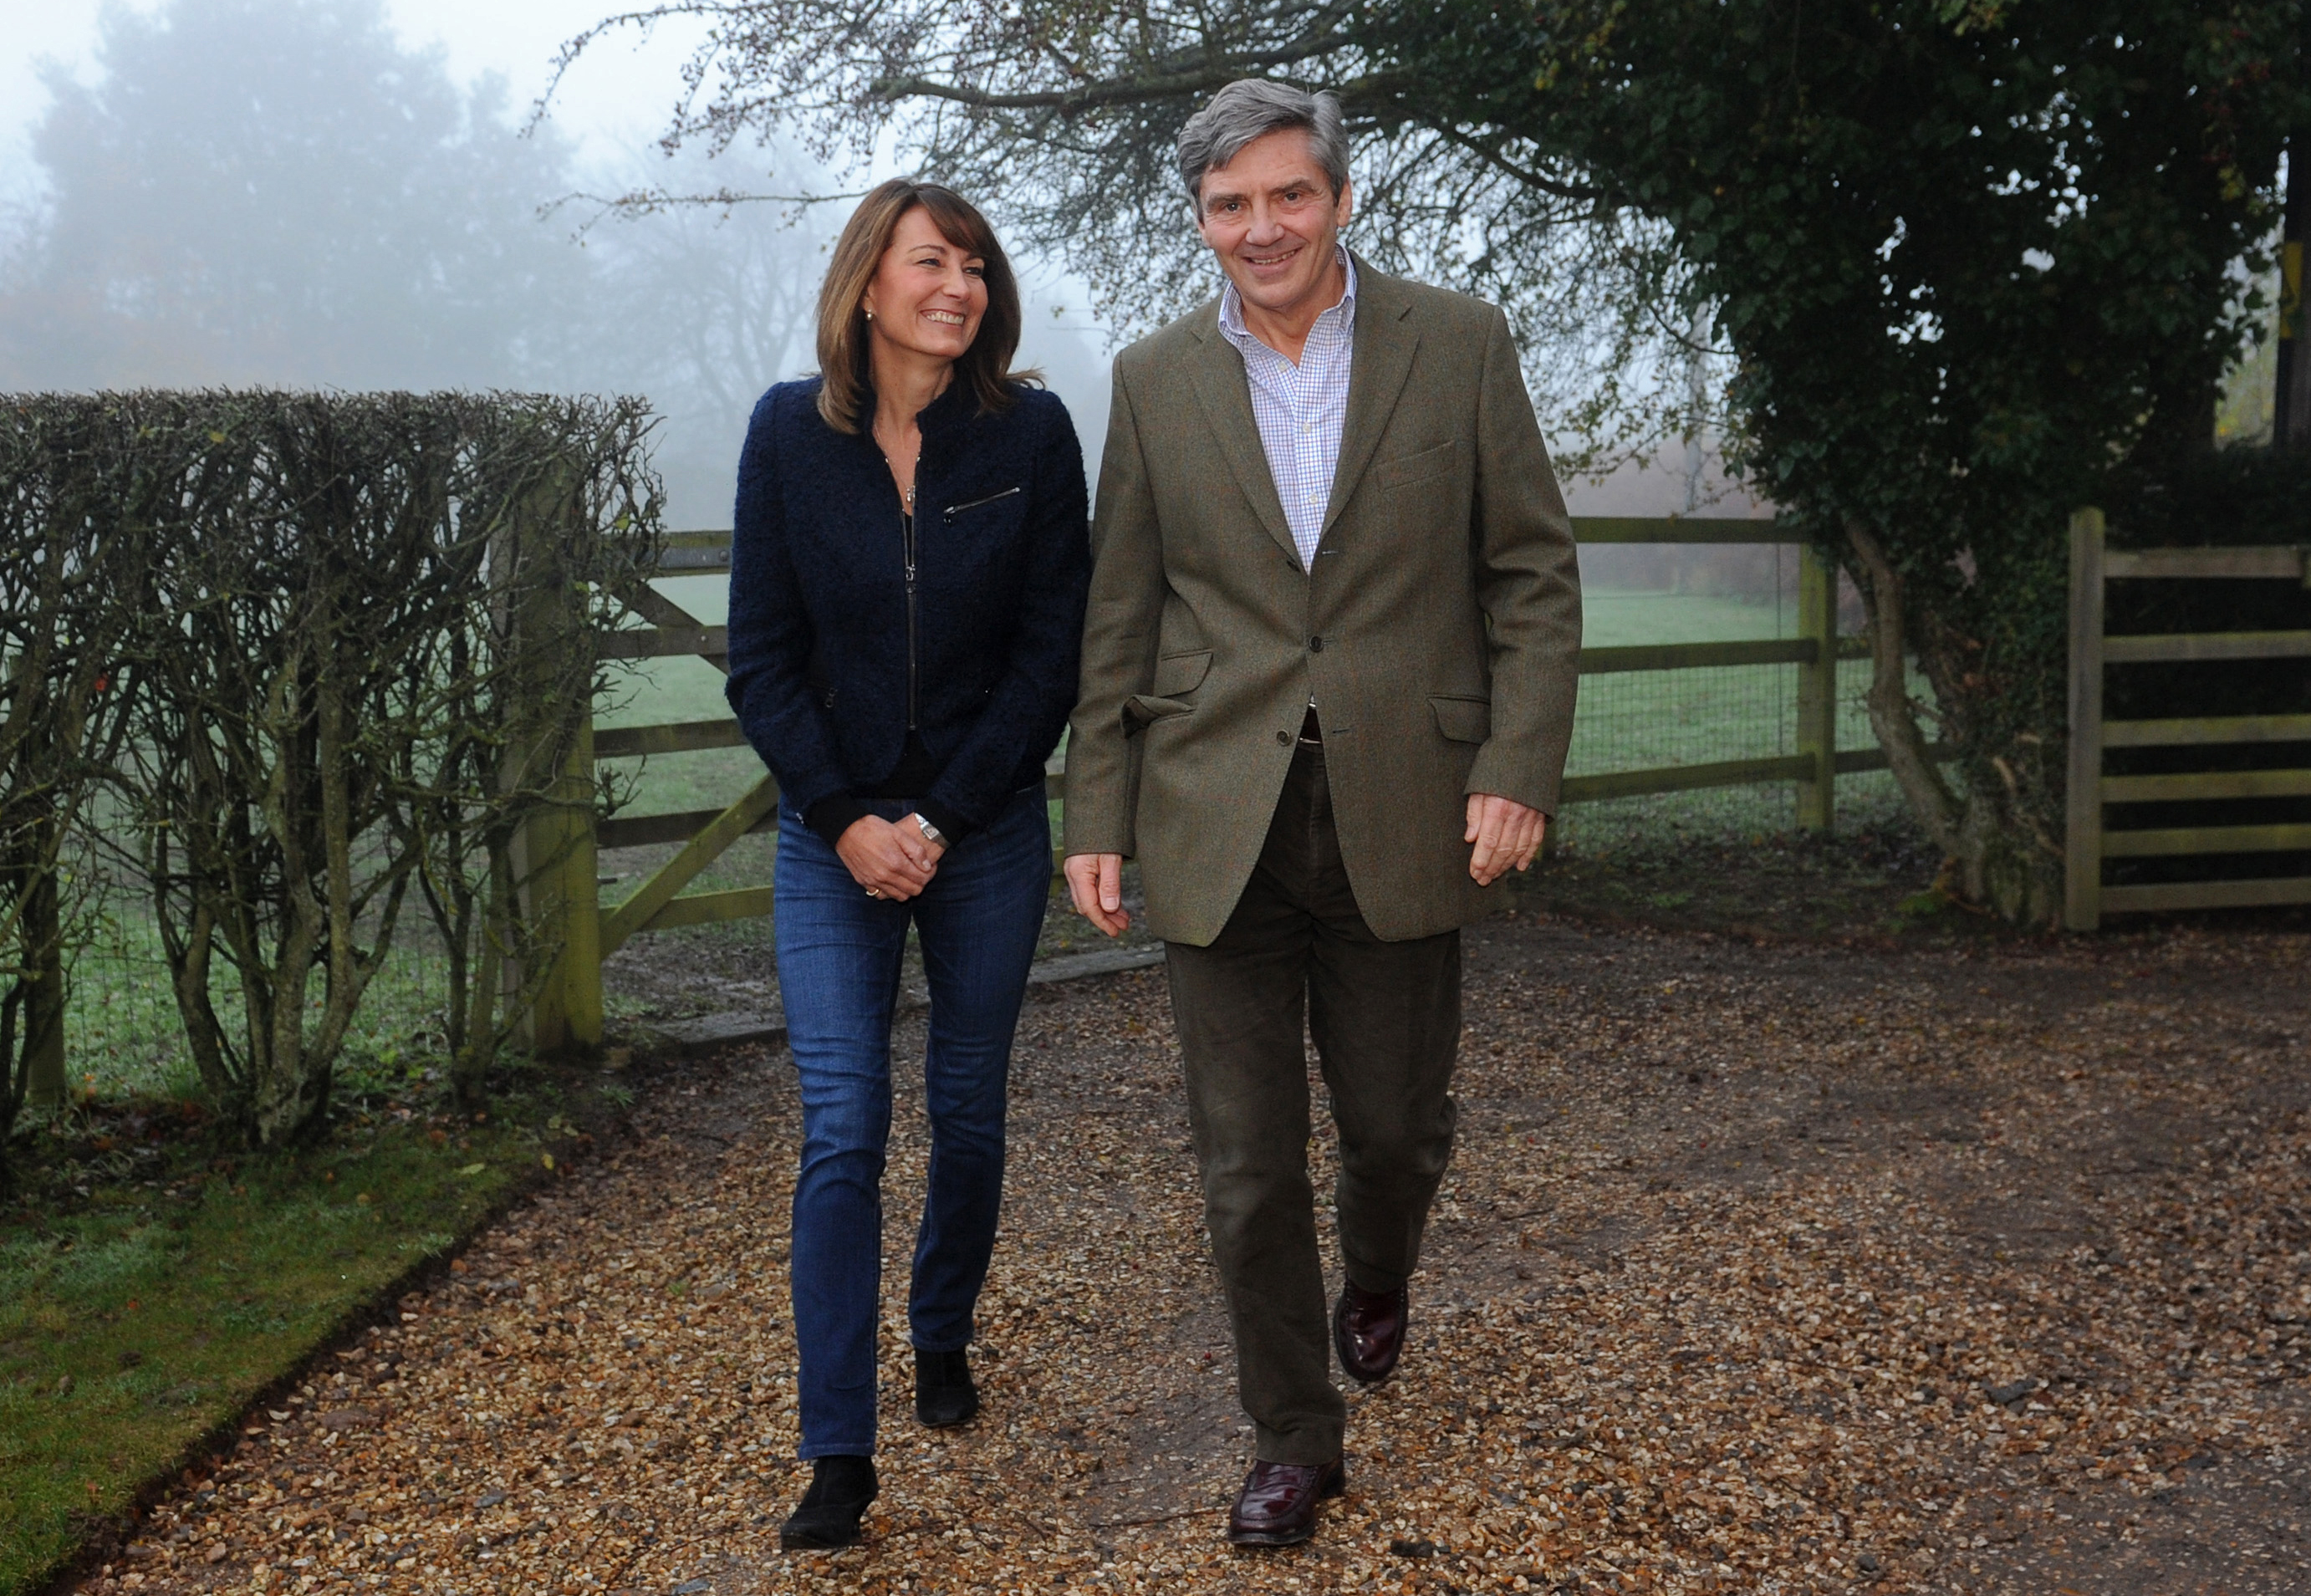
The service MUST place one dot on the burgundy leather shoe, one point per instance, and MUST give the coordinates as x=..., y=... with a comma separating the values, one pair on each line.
x=1277, y=1504
x=1368, y=1331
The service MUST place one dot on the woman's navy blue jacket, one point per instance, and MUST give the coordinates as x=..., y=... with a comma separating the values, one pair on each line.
x=819, y=645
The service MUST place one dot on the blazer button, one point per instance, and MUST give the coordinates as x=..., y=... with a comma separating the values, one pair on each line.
x=1315, y=645
x=1284, y=736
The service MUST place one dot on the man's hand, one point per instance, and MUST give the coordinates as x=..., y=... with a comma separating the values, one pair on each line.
x=1096, y=882
x=1505, y=833
x=891, y=861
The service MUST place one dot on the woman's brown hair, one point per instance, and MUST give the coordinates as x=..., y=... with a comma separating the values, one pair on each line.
x=844, y=394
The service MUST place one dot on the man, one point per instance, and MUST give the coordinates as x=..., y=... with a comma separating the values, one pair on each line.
x=1327, y=684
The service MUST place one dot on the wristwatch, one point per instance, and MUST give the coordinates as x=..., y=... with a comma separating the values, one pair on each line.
x=931, y=833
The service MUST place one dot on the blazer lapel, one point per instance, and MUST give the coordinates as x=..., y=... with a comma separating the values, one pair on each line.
x=1226, y=396
x=1386, y=339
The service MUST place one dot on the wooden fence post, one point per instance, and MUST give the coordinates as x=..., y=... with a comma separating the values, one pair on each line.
x=558, y=860
x=2082, y=830
x=552, y=853
x=1818, y=690
x=43, y=1017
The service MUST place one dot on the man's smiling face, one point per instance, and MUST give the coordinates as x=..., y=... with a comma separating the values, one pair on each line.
x=1271, y=217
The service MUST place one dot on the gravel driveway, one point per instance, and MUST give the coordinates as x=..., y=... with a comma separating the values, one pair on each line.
x=1760, y=1267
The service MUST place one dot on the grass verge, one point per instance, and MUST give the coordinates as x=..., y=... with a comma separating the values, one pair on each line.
x=154, y=1282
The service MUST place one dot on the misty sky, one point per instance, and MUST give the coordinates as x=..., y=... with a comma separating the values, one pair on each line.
x=615, y=99
x=609, y=109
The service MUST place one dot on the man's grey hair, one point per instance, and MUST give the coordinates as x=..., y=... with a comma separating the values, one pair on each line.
x=1250, y=108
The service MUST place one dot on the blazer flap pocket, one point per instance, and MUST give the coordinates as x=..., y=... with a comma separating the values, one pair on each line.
x=1407, y=469
x=1141, y=710
x=1181, y=673
x=1463, y=720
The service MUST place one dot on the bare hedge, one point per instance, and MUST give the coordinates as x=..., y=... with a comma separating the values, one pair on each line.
x=336, y=649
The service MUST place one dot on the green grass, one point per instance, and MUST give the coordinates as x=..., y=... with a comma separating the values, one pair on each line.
x=1633, y=721
x=153, y=1283
x=1627, y=722
x=1617, y=618
x=1644, y=720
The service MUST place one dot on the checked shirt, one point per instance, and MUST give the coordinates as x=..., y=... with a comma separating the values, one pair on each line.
x=1301, y=409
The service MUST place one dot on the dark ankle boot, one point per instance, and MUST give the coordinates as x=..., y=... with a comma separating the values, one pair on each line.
x=944, y=1392
x=841, y=1488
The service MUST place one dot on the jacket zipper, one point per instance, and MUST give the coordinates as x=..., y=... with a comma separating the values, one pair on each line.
x=907, y=539
x=953, y=511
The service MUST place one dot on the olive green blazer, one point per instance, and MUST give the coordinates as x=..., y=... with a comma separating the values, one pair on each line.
x=1439, y=630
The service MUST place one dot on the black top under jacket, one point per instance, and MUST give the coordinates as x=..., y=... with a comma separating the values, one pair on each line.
x=832, y=656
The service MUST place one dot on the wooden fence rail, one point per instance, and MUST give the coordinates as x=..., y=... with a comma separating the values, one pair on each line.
x=670, y=631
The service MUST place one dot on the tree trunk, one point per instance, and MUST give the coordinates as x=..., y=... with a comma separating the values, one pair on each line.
x=469, y=1067
x=188, y=951
x=1998, y=860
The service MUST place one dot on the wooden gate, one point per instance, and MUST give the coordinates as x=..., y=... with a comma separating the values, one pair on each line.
x=2093, y=792
x=660, y=901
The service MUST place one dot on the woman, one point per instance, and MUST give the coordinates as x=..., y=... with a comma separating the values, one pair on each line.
x=906, y=606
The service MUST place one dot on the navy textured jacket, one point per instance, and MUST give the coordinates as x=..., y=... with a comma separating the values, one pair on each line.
x=826, y=657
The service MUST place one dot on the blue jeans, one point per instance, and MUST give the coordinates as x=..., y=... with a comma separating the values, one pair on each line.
x=839, y=959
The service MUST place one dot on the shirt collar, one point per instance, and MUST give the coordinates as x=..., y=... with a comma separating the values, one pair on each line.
x=1232, y=325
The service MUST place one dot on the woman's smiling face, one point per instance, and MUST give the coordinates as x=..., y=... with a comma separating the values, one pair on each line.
x=930, y=294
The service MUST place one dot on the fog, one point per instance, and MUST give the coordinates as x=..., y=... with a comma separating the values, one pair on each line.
x=286, y=192
x=293, y=193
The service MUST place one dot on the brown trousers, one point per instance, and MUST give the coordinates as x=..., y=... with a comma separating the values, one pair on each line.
x=1386, y=1020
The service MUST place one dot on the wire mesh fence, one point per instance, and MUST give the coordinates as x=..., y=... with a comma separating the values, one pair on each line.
x=1647, y=719
x=123, y=1034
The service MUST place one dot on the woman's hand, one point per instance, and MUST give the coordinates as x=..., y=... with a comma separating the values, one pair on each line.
x=890, y=861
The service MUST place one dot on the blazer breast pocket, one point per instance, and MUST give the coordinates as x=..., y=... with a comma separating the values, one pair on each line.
x=1405, y=470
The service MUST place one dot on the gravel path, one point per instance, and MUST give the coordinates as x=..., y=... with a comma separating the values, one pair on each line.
x=1778, y=1268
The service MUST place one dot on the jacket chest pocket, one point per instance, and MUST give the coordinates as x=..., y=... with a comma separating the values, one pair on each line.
x=983, y=502
x=1406, y=470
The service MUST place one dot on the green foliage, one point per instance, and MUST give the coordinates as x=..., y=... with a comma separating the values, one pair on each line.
x=2237, y=498
x=1970, y=260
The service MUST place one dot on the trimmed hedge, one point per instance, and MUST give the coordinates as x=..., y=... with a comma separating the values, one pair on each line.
x=321, y=653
